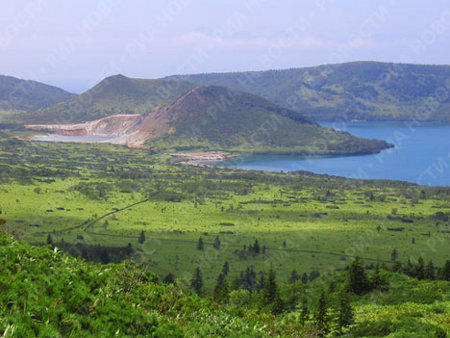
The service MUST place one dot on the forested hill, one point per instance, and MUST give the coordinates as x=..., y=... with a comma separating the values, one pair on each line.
x=18, y=96
x=370, y=91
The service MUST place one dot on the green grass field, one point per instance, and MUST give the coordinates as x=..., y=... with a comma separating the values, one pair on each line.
x=305, y=222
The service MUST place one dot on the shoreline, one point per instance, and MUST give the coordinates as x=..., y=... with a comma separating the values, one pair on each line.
x=199, y=159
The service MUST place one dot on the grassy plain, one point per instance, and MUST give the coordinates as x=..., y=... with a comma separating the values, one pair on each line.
x=305, y=222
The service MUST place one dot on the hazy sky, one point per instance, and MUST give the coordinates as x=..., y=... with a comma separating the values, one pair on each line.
x=74, y=44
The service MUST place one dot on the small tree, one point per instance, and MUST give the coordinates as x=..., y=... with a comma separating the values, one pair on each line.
x=358, y=281
x=420, y=269
x=49, y=240
x=221, y=291
x=294, y=277
x=197, y=282
x=429, y=271
x=225, y=268
x=345, y=311
x=377, y=281
x=305, y=278
x=141, y=237
x=169, y=279
x=394, y=255
x=270, y=288
x=271, y=294
x=321, y=316
x=256, y=247
x=445, y=271
x=200, y=244
x=304, y=312
x=217, y=243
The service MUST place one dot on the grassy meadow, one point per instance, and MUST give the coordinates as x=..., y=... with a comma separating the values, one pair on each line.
x=104, y=195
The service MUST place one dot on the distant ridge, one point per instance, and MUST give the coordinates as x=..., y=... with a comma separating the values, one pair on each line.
x=371, y=91
x=19, y=96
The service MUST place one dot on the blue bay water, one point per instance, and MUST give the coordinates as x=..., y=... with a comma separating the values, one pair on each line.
x=421, y=154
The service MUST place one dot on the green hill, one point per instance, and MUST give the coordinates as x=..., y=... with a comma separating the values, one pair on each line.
x=371, y=91
x=204, y=118
x=113, y=95
x=225, y=119
x=19, y=96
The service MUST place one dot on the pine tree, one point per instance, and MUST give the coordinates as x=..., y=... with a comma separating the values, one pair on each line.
x=261, y=281
x=394, y=255
x=321, y=317
x=270, y=288
x=304, y=311
x=104, y=256
x=225, y=268
x=445, y=271
x=377, y=281
x=429, y=271
x=200, y=244
x=305, y=278
x=221, y=289
x=345, y=311
x=256, y=248
x=237, y=283
x=141, y=237
x=294, y=277
x=197, y=282
x=50, y=240
x=169, y=279
x=358, y=281
x=217, y=243
x=420, y=269
x=249, y=281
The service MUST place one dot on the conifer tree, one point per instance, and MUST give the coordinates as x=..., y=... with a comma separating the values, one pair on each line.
x=217, y=243
x=345, y=311
x=420, y=269
x=256, y=248
x=50, y=240
x=321, y=316
x=429, y=271
x=270, y=288
x=197, y=282
x=305, y=278
x=221, y=290
x=358, y=281
x=225, y=268
x=394, y=255
x=304, y=311
x=445, y=271
x=200, y=244
x=141, y=237
x=169, y=279
x=294, y=277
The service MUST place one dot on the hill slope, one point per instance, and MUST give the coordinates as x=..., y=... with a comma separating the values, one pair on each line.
x=349, y=91
x=47, y=293
x=64, y=296
x=18, y=96
x=219, y=118
x=114, y=95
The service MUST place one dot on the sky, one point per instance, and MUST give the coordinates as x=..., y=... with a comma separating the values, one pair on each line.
x=74, y=44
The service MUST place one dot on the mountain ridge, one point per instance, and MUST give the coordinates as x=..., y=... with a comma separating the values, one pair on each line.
x=19, y=98
x=360, y=90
